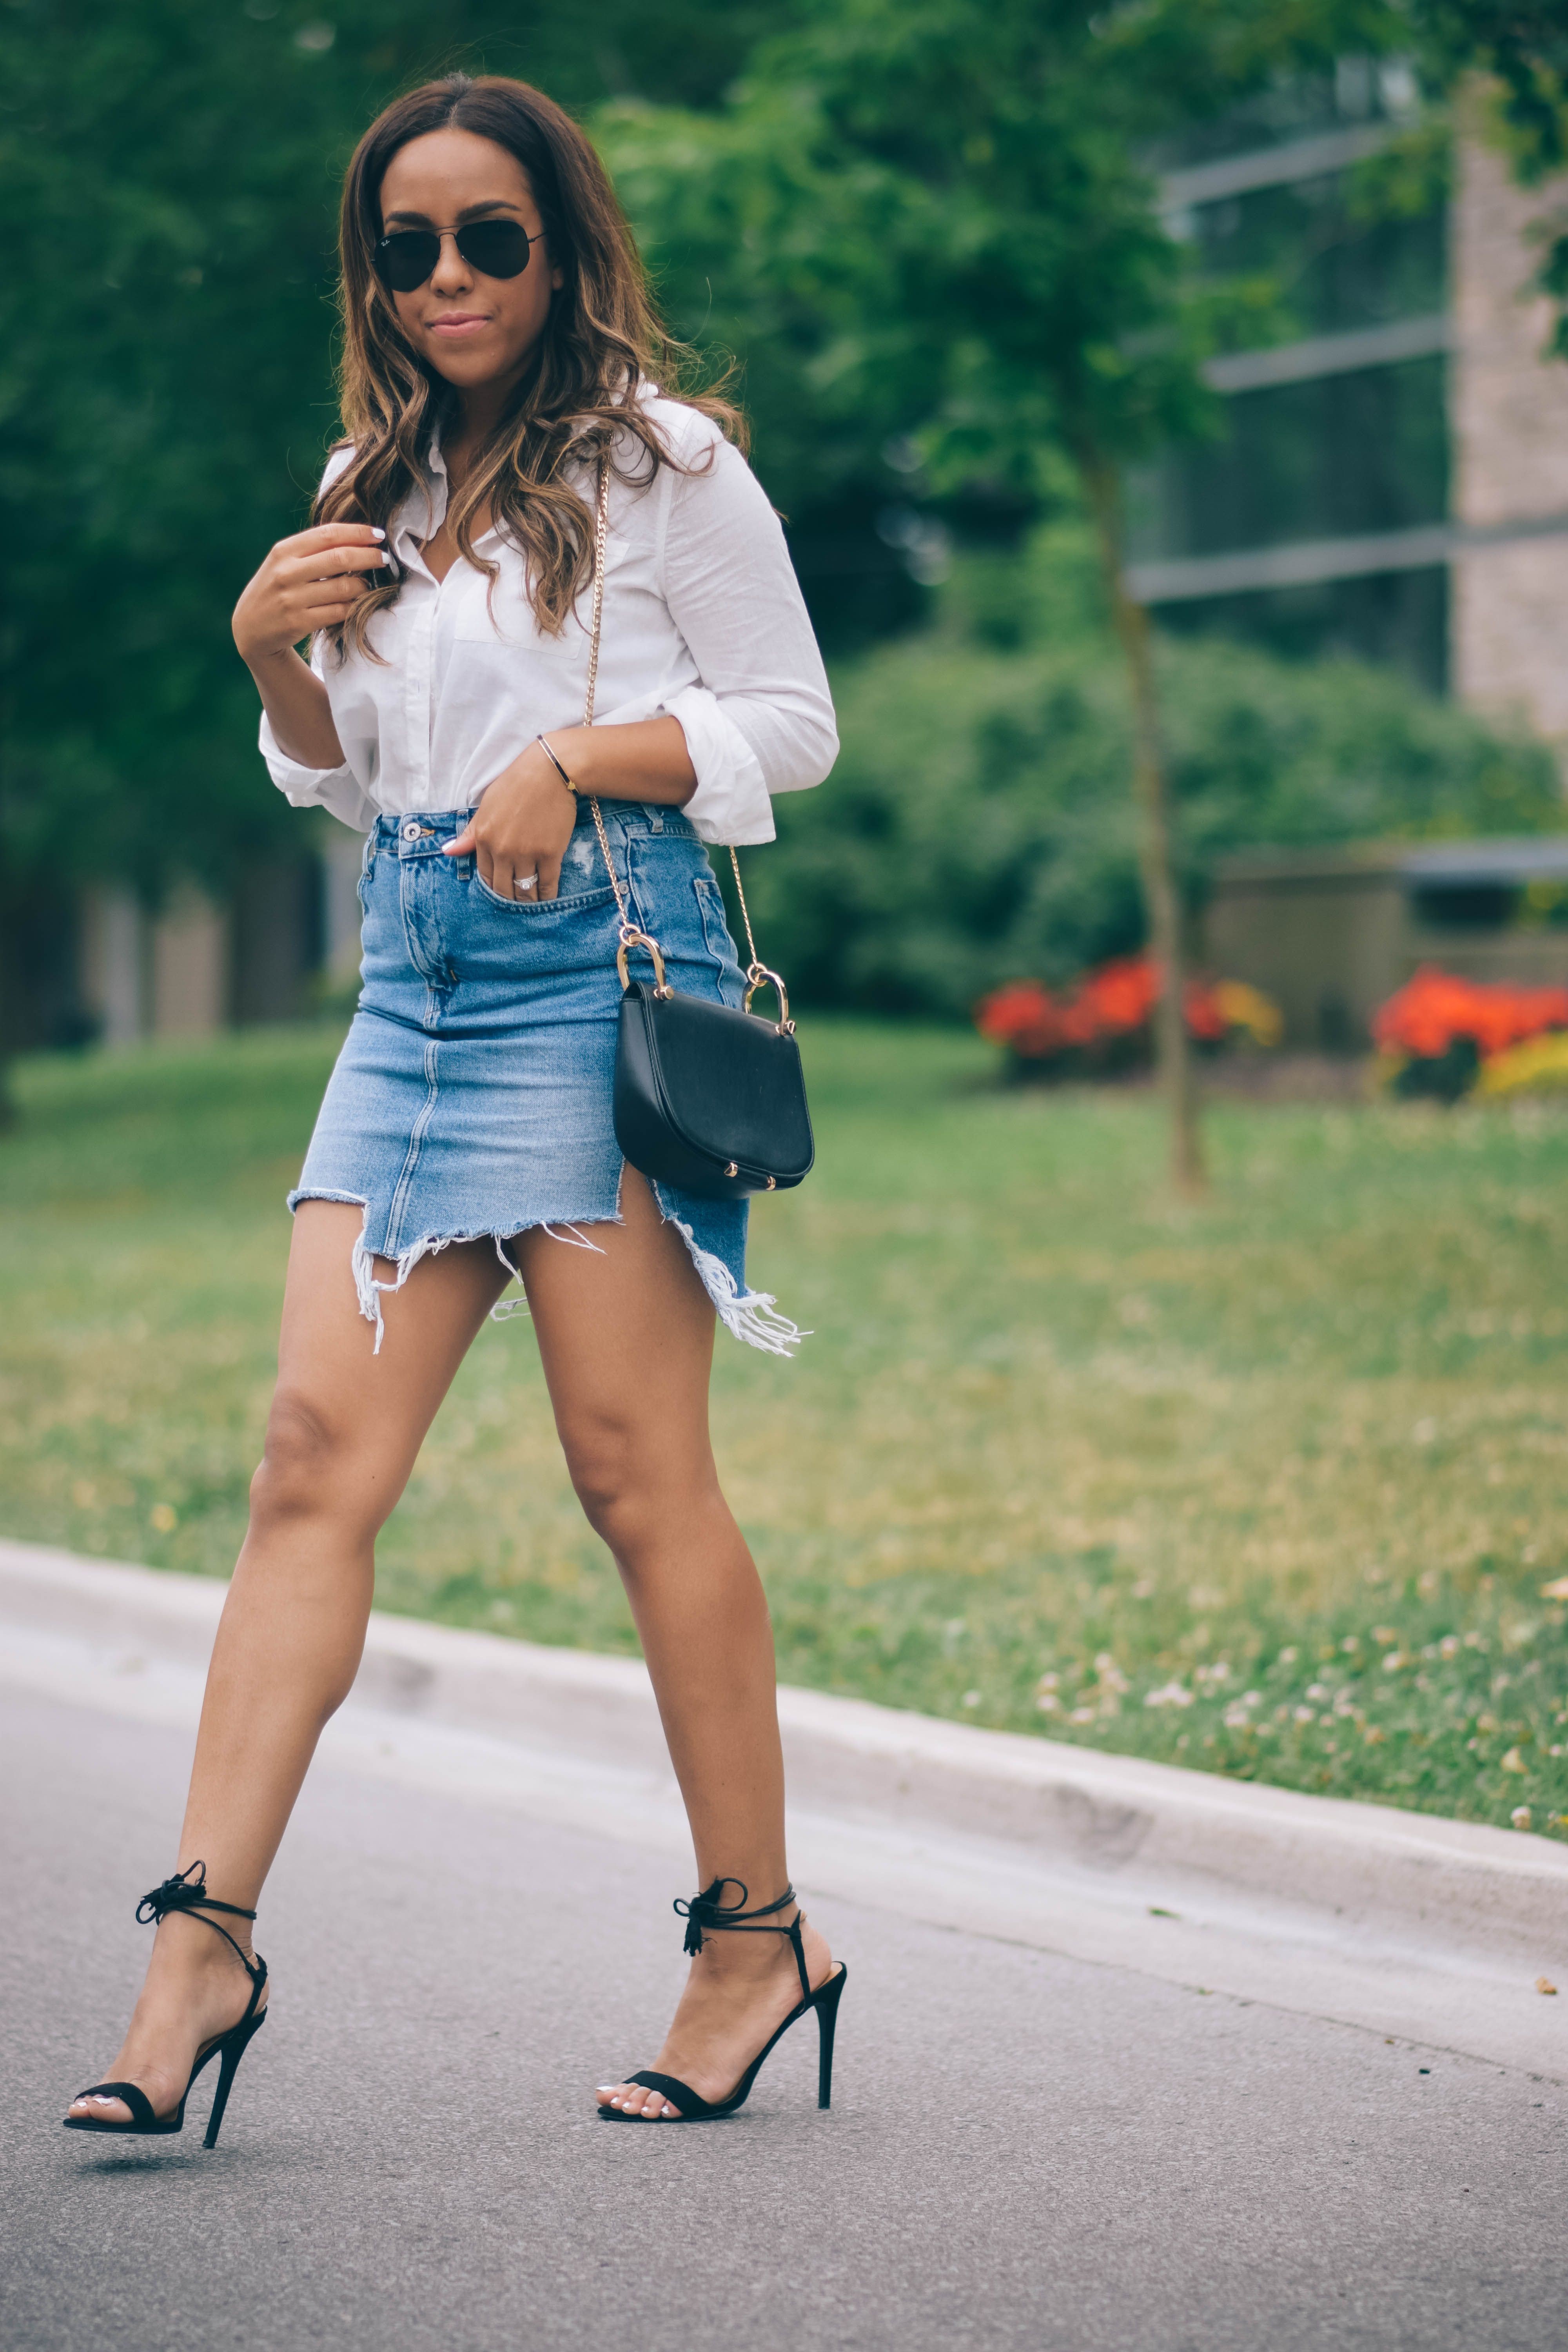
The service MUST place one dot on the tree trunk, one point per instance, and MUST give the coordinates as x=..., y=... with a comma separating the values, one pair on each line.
x=1173, y=1047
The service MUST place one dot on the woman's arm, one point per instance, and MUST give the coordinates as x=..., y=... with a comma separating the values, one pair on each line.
x=523, y=823
x=308, y=582
x=761, y=721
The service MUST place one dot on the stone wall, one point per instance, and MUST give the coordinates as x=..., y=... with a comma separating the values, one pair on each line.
x=1510, y=426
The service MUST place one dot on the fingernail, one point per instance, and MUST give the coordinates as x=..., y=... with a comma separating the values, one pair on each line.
x=376, y=531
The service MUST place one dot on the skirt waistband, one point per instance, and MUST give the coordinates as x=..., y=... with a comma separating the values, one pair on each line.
x=422, y=833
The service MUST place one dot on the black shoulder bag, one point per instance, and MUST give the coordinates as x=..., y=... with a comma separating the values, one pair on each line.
x=709, y=1098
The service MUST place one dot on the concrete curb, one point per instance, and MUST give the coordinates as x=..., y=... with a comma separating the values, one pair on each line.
x=1407, y=1876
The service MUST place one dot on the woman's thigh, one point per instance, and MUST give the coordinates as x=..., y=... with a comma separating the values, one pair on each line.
x=342, y=1415
x=626, y=1336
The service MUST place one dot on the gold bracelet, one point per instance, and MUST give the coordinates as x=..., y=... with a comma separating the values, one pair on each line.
x=556, y=765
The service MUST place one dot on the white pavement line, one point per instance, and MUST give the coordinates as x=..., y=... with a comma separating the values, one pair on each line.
x=1439, y=1934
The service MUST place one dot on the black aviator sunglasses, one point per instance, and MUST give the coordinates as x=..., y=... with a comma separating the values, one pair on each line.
x=496, y=248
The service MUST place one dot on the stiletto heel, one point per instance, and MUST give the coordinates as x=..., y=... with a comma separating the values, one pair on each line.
x=826, y=2026
x=234, y=2047
x=187, y=1891
x=708, y=1911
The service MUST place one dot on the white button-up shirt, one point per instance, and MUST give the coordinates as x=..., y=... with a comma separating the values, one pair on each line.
x=703, y=620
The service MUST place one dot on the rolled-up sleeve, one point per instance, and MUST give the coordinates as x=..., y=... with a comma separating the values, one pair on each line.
x=337, y=790
x=761, y=721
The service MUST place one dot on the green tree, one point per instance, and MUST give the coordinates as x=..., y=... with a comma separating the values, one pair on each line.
x=926, y=226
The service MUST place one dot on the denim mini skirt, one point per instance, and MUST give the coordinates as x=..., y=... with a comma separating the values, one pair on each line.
x=472, y=1099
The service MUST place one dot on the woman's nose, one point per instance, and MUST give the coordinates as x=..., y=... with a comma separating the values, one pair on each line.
x=451, y=273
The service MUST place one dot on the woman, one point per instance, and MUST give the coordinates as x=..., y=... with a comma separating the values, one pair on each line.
x=499, y=372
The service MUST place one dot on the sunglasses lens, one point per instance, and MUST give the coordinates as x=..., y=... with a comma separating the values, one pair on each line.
x=496, y=248
x=407, y=256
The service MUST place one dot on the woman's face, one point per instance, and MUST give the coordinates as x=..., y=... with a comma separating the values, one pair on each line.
x=472, y=329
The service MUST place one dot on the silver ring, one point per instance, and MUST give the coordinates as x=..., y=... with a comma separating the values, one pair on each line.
x=527, y=882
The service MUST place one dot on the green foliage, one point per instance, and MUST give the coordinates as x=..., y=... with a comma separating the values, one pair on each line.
x=924, y=217
x=1523, y=45
x=978, y=826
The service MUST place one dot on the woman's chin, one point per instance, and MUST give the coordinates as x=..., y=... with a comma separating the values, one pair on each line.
x=468, y=364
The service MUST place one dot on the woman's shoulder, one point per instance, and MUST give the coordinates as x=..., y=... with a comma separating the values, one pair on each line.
x=340, y=457
x=693, y=438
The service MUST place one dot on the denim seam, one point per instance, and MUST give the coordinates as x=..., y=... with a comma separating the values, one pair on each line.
x=411, y=1157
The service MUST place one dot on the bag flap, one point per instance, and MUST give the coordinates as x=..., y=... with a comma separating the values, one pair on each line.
x=732, y=1083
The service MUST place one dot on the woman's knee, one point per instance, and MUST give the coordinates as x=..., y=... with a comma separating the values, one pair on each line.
x=629, y=1487
x=300, y=1474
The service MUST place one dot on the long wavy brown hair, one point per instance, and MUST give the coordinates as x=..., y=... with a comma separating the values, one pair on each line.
x=578, y=396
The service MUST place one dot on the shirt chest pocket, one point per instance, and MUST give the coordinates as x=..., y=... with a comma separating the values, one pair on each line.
x=489, y=613
x=496, y=649
x=541, y=684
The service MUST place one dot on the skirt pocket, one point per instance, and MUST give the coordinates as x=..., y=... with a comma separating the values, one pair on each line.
x=531, y=907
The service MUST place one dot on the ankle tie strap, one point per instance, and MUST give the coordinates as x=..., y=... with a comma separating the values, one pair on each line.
x=709, y=1911
x=187, y=1891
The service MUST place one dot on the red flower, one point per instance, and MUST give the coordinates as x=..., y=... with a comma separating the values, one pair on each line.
x=1025, y=1017
x=1433, y=1011
x=1115, y=1000
x=1119, y=996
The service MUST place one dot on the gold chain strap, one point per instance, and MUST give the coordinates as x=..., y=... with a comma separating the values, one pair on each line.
x=757, y=972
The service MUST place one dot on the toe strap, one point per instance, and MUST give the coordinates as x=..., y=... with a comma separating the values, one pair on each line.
x=136, y=2099
x=679, y=2094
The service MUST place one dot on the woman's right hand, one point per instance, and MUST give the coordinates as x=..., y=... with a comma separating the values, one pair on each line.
x=308, y=582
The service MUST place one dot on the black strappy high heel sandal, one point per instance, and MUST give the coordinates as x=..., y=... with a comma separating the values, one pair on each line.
x=188, y=1891
x=707, y=1911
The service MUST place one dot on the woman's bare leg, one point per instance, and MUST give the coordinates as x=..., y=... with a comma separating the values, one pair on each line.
x=342, y=1438
x=626, y=1338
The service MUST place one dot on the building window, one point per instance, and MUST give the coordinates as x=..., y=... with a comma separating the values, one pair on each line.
x=1398, y=619
x=1327, y=459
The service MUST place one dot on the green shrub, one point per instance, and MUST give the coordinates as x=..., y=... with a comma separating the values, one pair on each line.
x=979, y=826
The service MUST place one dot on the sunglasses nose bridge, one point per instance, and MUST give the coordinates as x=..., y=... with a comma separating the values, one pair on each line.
x=454, y=256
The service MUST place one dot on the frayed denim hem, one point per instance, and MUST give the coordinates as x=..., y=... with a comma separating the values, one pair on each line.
x=751, y=1315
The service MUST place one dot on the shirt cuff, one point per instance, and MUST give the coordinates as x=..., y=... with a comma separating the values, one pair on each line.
x=731, y=802
x=337, y=790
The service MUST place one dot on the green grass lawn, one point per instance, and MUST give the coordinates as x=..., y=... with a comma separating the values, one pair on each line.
x=1271, y=1486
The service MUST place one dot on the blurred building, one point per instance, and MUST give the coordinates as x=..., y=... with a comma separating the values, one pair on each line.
x=1331, y=934
x=1393, y=478
x=285, y=940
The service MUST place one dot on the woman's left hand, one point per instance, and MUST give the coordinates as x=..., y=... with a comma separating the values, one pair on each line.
x=522, y=829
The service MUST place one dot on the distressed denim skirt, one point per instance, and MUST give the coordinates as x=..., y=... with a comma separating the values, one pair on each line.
x=472, y=1099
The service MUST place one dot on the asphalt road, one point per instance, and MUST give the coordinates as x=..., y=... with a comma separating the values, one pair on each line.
x=1025, y=2150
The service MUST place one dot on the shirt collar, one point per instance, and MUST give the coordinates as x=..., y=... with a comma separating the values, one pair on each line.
x=423, y=511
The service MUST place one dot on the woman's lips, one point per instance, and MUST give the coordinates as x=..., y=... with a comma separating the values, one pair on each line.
x=455, y=324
